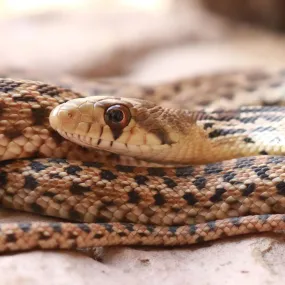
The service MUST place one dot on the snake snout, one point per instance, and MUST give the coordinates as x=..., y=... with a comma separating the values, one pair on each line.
x=64, y=118
x=53, y=118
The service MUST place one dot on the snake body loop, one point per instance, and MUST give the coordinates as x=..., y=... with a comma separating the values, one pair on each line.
x=235, y=183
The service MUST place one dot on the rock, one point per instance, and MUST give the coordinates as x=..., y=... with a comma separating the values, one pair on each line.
x=267, y=13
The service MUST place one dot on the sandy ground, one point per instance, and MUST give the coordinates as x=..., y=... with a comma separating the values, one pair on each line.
x=245, y=260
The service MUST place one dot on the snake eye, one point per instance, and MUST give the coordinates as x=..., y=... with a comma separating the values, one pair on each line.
x=117, y=116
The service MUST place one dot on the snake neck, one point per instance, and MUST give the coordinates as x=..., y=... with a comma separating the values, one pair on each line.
x=242, y=132
x=206, y=137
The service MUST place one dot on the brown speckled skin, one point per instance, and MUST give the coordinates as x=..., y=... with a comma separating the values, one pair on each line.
x=123, y=205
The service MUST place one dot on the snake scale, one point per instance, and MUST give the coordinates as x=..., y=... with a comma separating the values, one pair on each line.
x=224, y=172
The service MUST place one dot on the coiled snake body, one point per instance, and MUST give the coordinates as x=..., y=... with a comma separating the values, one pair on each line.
x=230, y=177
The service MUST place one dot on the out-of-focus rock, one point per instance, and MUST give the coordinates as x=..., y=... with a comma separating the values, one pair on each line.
x=268, y=13
x=95, y=42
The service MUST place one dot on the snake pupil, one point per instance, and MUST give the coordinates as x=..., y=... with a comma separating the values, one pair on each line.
x=115, y=116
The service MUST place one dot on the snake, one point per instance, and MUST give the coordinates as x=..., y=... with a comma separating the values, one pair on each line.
x=178, y=163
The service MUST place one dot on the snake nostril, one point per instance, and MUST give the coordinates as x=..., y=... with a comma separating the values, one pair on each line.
x=68, y=116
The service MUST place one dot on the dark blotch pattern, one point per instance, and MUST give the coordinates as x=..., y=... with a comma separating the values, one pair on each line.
x=125, y=168
x=190, y=199
x=56, y=227
x=54, y=176
x=78, y=189
x=192, y=229
x=93, y=164
x=49, y=194
x=214, y=168
x=229, y=176
x=155, y=171
x=269, y=118
x=281, y=188
x=101, y=220
x=218, y=195
x=108, y=175
x=211, y=225
x=244, y=162
x=235, y=221
x=3, y=178
x=250, y=188
x=263, y=217
x=84, y=228
x=276, y=159
x=134, y=197
x=7, y=85
x=24, y=98
x=45, y=89
x=25, y=227
x=72, y=169
x=12, y=133
x=208, y=125
x=150, y=228
x=108, y=227
x=129, y=227
x=199, y=239
x=248, y=140
x=200, y=182
x=159, y=199
x=11, y=237
x=184, y=171
x=37, y=208
x=30, y=182
x=172, y=229
x=74, y=215
x=57, y=160
x=140, y=179
x=40, y=116
x=264, y=129
x=169, y=182
x=37, y=166
x=58, y=139
x=223, y=132
x=261, y=171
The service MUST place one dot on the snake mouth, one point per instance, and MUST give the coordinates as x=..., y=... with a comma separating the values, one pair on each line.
x=101, y=144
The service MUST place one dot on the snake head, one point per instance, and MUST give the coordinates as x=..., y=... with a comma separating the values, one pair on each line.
x=126, y=126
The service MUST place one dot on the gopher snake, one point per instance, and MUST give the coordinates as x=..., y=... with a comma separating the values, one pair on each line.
x=119, y=204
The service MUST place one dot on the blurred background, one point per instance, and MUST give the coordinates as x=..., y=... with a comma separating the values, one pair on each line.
x=139, y=40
